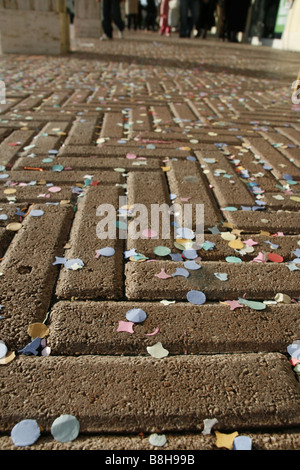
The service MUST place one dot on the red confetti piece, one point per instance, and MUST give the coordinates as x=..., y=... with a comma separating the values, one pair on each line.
x=275, y=258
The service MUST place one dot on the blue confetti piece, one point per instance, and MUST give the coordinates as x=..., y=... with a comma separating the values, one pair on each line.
x=25, y=433
x=136, y=315
x=196, y=297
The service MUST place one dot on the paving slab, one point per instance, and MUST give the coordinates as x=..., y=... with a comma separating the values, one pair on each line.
x=173, y=394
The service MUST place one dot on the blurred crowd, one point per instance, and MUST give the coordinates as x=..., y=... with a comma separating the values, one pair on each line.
x=189, y=18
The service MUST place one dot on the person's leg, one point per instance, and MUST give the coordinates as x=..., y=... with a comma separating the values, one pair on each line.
x=195, y=7
x=183, y=32
x=116, y=14
x=106, y=18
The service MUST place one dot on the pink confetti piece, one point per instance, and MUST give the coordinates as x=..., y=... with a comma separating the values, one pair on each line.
x=250, y=242
x=154, y=332
x=125, y=326
x=233, y=304
x=162, y=274
x=260, y=258
x=130, y=156
x=149, y=233
x=185, y=199
x=54, y=189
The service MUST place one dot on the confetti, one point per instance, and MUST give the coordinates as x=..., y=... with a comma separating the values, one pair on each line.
x=282, y=298
x=162, y=250
x=275, y=258
x=221, y=276
x=294, y=349
x=208, y=424
x=181, y=272
x=3, y=349
x=25, y=433
x=14, y=226
x=233, y=259
x=154, y=332
x=242, y=443
x=196, y=297
x=136, y=315
x=37, y=330
x=162, y=274
x=233, y=304
x=36, y=213
x=157, y=440
x=253, y=304
x=107, y=252
x=10, y=356
x=158, y=351
x=192, y=265
x=125, y=326
x=65, y=428
x=225, y=440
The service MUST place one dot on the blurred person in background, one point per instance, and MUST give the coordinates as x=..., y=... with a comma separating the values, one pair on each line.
x=164, y=18
x=189, y=16
x=111, y=13
x=151, y=15
x=236, y=12
x=206, y=17
x=132, y=12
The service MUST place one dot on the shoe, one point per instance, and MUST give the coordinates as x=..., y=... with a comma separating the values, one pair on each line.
x=104, y=37
x=121, y=35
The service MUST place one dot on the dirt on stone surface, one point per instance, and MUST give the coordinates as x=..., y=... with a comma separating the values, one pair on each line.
x=153, y=330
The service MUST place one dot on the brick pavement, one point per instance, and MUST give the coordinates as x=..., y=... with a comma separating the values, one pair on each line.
x=150, y=120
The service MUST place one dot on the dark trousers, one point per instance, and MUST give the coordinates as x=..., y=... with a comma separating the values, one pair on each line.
x=111, y=12
x=187, y=23
x=132, y=19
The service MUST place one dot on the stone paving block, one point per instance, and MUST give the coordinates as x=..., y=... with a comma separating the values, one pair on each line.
x=91, y=328
x=274, y=222
x=183, y=113
x=188, y=182
x=13, y=144
x=280, y=165
x=38, y=194
x=83, y=131
x=220, y=248
x=257, y=281
x=28, y=276
x=135, y=388
x=251, y=168
x=100, y=276
x=112, y=126
x=33, y=173
x=229, y=189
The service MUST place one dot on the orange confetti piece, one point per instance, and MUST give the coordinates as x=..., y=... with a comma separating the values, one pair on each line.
x=38, y=330
x=225, y=440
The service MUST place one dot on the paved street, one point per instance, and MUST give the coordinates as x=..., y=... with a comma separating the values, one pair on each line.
x=141, y=337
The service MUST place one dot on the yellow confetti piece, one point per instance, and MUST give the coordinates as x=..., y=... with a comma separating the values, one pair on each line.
x=262, y=233
x=236, y=244
x=228, y=236
x=14, y=226
x=38, y=330
x=8, y=358
x=166, y=168
x=295, y=198
x=225, y=440
x=10, y=191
